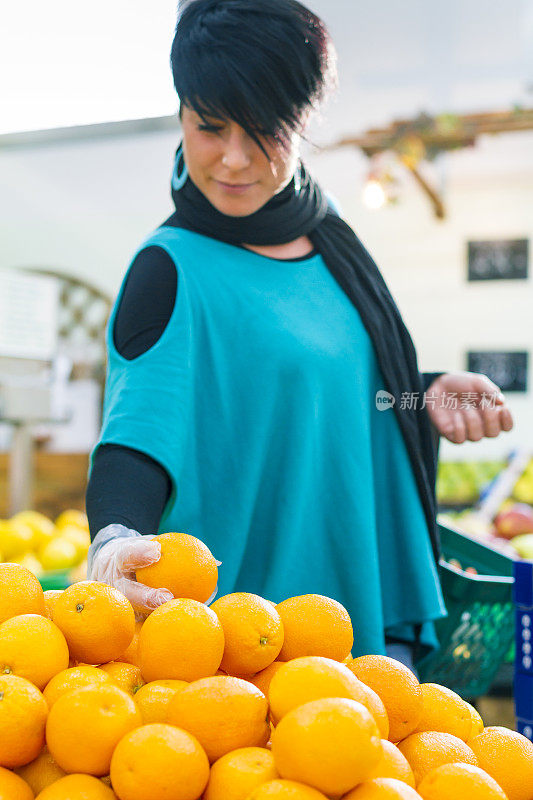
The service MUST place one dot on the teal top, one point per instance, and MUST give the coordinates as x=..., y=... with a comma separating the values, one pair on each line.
x=259, y=401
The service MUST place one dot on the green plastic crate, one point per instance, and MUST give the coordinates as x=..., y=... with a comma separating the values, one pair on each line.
x=477, y=635
x=58, y=579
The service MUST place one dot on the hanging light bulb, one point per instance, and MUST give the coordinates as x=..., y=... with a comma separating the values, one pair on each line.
x=374, y=196
x=381, y=186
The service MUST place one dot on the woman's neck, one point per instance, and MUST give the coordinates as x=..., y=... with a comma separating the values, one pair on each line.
x=298, y=247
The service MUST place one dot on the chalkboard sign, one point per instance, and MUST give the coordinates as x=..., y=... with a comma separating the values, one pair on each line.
x=507, y=370
x=498, y=260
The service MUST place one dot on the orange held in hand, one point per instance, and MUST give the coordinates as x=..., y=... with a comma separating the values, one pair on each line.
x=97, y=620
x=223, y=713
x=253, y=632
x=186, y=567
x=315, y=625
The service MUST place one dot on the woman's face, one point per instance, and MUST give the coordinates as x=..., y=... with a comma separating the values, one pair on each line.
x=229, y=168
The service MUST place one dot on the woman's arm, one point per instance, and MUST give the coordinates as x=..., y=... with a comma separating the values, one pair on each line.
x=126, y=487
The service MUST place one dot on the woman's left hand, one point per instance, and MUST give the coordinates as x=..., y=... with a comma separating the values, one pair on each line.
x=467, y=405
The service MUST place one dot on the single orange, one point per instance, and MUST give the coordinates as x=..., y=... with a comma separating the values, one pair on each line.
x=97, y=620
x=77, y=787
x=50, y=597
x=315, y=625
x=187, y=567
x=153, y=699
x=430, y=749
x=125, y=676
x=32, y=647
x=23, y=713
x=443, y=710
x=263, y=678
x=159, y=762
x=311, y=677
x=507, y=756
x=131, y=653
x=73, y=678
x=331, y=744
x=393, y=764
x=237, y=773
x=223, y=713
x=285, y=790
x=85, y=725
x=182, y=639
x=253, y=632
x=460, y=781
x=398, y=688
x=20, y=592
x=382, y=789
x=40, y=772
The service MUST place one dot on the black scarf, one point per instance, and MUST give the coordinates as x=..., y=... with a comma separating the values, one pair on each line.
x=301, y=209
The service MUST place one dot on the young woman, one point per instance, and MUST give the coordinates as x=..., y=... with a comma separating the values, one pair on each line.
x=249, y=348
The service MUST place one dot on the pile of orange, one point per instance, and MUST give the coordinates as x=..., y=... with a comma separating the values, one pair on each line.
x=239, y=700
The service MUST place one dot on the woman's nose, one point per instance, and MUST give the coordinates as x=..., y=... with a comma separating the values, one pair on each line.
x=236, y=154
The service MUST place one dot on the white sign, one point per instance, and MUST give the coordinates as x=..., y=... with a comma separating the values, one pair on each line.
x=28, y=315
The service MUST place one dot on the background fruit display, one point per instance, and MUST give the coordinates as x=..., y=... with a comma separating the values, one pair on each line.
x=41, y=545
x=244, y=699
x=461, y=486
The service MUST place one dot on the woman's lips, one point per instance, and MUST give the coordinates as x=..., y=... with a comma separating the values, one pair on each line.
x=235, y=188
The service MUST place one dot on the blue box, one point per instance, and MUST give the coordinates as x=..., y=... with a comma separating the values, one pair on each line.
x=525, y=727
x=523, y=584
x=523, y=692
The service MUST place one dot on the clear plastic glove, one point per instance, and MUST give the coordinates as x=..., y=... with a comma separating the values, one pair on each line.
x=114, y=555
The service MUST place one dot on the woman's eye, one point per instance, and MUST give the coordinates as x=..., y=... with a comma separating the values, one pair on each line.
x=209, y=128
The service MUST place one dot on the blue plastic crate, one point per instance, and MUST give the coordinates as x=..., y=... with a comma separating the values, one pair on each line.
x=523, y=679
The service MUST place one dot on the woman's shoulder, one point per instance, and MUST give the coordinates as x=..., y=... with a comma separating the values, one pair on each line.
x=147, y=301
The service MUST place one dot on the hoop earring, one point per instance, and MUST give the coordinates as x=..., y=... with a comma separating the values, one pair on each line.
x=179, y=180
x=297, y=180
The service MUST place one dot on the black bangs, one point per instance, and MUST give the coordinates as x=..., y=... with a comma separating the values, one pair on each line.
x=261, y=63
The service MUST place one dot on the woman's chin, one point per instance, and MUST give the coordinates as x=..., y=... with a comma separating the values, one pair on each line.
x=234, y=208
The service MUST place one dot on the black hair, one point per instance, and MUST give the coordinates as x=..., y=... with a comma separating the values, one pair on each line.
x=260, y=63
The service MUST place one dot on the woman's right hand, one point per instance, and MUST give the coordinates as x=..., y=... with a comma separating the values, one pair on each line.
x=114, y=555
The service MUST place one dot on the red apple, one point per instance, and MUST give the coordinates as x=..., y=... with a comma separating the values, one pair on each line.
x=514, y=521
